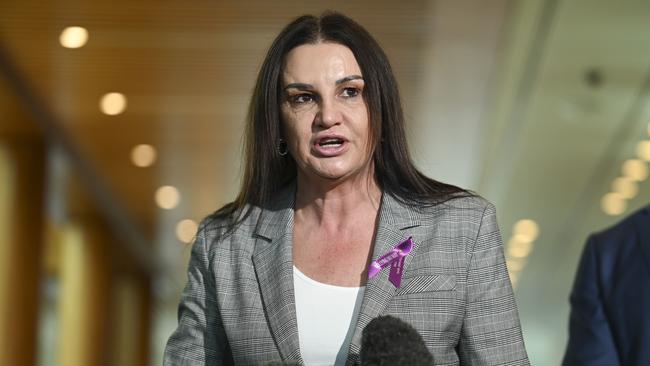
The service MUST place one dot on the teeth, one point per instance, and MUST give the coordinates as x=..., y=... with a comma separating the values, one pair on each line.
x=336, y=142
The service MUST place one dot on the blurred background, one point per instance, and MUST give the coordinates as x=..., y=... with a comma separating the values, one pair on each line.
x=121, y=127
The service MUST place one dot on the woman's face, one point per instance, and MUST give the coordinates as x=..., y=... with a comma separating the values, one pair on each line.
x=324, y=116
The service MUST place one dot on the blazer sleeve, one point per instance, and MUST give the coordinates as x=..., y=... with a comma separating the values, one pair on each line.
x=491, y=333
x=590, y=337
x=199, y=338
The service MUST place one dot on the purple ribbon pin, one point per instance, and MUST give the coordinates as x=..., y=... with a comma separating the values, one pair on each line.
x=395, y=259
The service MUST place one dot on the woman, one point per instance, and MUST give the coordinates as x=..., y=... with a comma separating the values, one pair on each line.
x=329, y=191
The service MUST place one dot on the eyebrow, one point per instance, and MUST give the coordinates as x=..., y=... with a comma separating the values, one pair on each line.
x=348, y=78
x=303, y=86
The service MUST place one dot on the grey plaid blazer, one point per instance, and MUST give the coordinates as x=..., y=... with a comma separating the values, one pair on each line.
x=238, y=305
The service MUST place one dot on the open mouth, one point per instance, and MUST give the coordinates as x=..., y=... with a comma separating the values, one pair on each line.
x=330, y=142
x=330, y=146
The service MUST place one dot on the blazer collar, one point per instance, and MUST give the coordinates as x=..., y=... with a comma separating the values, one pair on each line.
x=273, y=262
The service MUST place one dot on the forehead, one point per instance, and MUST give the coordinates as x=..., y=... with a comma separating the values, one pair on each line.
x=321, y=61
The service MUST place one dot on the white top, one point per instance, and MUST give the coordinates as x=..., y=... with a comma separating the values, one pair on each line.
x=327, y=316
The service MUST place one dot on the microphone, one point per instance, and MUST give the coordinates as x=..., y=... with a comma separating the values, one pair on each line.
x=387, y=340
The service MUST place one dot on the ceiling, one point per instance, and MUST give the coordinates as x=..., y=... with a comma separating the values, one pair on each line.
x=496, y=96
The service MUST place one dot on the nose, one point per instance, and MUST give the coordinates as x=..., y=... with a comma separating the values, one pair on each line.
x=329, y=115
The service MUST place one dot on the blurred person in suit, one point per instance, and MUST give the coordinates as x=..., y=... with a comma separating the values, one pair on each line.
x=334, y=226
x=610, y=301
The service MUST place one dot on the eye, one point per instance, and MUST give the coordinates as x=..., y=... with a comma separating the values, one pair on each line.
x=301, y=98
x=350, y=92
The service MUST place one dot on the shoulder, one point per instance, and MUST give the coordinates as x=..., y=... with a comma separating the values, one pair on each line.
x=460, y=210
x=222, y=232
x=456, y=223
x=454, y=228
x=240, y=229
x=622, y=234
x=473, y=203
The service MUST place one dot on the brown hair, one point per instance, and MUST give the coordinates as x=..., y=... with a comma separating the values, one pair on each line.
x=266, y=171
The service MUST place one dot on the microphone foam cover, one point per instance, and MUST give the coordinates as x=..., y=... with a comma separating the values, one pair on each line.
x=387, y=340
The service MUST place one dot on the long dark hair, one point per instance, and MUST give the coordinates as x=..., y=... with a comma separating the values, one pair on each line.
x=266, y=171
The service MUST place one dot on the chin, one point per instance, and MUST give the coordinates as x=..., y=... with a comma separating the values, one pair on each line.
x=338, y=174
x=331, y=176
x=334, y=171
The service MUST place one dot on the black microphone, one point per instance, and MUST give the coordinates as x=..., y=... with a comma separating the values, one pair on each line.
x=387, y=340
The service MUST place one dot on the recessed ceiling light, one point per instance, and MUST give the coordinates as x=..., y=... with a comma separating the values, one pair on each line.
x=643, y=150
x=626, y=187
x=143, y=155
x=635, y=169
x=519, y=249
x=113, y=103
x=167, y=197
x=73, y=37
x=186, y=230
x=514, y=279
x=515, y=265
x=526, y=230
x=613, y=204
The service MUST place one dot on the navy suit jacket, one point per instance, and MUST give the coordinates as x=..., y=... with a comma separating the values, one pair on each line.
x=610, y=301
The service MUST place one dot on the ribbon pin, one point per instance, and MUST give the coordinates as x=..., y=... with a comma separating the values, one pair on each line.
x=395, y=259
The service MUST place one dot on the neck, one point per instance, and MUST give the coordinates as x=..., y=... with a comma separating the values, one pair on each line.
x=336, y=204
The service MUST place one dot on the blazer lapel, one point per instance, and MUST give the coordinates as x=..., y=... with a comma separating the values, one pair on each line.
x=642, y=223
x=394, y=220
x=273, y=262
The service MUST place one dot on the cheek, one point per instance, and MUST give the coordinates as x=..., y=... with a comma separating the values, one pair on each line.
x=296, y=127
x=293, y=136
x=287, y=124
x=362, y=124
x=365, y=133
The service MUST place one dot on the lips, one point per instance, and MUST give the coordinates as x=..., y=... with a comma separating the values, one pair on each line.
x=330, y=145
x=330, y=142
